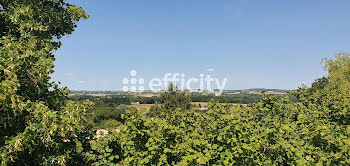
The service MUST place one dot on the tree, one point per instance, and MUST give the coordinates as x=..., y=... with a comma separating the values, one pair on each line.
x=174, y=98
x=170, y=100
x=331, y=93
x=38, y=125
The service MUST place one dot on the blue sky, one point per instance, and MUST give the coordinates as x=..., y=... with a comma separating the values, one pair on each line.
x=252, y=43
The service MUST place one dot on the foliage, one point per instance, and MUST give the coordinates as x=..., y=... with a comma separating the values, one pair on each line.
x=171, y=100
x=174, y=98
x=240, y=98
x=110, y=124
x=274, y=131
x=103, y=117
x=38, y=126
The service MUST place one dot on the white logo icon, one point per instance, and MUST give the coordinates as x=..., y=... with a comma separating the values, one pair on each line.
x=133, y=84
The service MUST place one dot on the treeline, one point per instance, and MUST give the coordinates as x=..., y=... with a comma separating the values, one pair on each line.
x=239, y=98
x=115, y=100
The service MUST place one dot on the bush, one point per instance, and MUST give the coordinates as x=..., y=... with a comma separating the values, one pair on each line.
x=110, y=124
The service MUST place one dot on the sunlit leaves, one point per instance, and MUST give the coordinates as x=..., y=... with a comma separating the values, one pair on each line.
x=38, y=126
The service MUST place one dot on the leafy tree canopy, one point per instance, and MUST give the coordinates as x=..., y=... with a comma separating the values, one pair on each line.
x=37, y=124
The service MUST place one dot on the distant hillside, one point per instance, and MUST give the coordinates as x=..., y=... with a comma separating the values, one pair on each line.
x=263, y=89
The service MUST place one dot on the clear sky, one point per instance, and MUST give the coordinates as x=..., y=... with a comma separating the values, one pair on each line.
x=252, y=43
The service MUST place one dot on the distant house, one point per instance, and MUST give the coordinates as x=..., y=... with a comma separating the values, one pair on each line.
x=117, y=129
x=101, y=133
x=202, y=109
x=128, y=112
x=135, y=103
x=200, y=106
